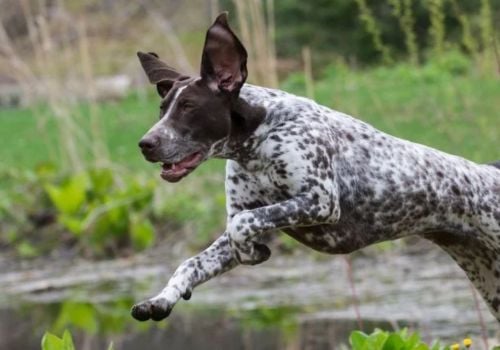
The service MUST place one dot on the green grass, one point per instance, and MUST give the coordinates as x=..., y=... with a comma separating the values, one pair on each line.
x=454, y=111
x=443, y=105
x=123, y=124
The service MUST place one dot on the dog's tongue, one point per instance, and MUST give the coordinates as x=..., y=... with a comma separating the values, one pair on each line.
x=187, y=162
x=182, y=166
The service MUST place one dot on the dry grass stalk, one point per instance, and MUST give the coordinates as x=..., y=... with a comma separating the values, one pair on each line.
x=467, y=39
x=99, y=149
x=402, y=10
x=437, y=29
x=53, y=76
x=214, y=9
x=306, y=57
x=258, y=35
x=497, y=54
x=181, y=59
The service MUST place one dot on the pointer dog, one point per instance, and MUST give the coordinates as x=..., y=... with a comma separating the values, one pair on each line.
x=328, y=180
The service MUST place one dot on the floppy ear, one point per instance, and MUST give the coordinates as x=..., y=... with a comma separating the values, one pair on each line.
x=224, y=59
x=158, y=72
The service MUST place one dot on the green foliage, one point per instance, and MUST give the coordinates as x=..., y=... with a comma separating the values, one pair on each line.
x=375, y=31
x=283, y=318
x=79, y=315
x=443, y=104
x=53, y=342
x=142, y=232
x=105, y=212
x=101, y=210
x=383, y=340
x=93, y=318
x=104, y=209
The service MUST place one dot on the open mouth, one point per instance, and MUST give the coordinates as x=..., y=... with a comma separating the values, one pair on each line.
x=173, y=172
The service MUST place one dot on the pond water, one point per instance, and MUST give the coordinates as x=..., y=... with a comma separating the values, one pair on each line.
x=304, y=301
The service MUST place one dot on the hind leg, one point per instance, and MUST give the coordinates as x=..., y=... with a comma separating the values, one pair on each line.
x=481, y=263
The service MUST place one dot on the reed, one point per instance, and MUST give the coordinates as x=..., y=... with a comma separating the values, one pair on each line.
x=257, y=29
x=467, y=40
x=402, y=10
x=308, y=75
x=366, y=16
x=437, y=28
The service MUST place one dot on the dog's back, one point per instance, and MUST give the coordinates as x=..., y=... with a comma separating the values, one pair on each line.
x=495, y=164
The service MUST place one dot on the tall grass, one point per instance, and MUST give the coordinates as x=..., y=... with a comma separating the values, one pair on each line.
x=63, y=62
x=257, y=31
x=372, y=27
x=60, y=71
x=482, y=48
x=437, y=28
x=402, y=10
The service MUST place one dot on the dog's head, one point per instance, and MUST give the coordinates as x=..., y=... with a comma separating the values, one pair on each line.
x=195, y=113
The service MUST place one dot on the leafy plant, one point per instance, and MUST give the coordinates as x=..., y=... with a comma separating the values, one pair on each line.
x=103, y=209
x=53, y=342
x=383, y=340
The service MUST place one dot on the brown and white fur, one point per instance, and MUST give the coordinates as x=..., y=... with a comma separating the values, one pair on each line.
x=332, y=182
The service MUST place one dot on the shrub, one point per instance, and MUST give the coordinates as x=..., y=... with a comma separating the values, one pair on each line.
x=383, y=340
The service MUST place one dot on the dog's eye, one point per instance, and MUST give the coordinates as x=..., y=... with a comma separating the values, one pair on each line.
x=186, y=104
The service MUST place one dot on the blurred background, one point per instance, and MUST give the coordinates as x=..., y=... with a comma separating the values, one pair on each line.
x=87, y=227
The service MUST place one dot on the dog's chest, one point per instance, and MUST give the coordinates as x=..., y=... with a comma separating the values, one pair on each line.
x=264, y=183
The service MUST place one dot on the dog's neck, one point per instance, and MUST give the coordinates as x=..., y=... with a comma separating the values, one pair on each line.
x=242, y=140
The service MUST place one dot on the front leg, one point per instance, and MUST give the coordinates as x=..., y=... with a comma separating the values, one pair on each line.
x=302, y=210
x=213, y=261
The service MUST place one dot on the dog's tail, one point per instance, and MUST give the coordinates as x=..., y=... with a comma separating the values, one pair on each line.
x=495, y=164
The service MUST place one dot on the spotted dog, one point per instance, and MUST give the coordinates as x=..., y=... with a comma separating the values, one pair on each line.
x=332, y=182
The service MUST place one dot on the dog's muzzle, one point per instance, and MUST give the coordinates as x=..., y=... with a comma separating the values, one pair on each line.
x=149, y=145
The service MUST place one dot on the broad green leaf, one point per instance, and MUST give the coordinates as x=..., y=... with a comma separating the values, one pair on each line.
x=376, y=340
x=67, y=341
x=51, y=342
x=421, y=346
x=394, y=342
x=73, y=224
x=68, y=197
x=110, y=224
x=412, y=341
x=357, y=340
x=80, y=315
x=142, y=233
x=101, y=181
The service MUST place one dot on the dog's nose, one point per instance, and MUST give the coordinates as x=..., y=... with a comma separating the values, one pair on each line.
x=149, y=142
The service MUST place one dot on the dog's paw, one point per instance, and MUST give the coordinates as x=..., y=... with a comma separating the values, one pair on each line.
x=253, y=254
x=156, y=309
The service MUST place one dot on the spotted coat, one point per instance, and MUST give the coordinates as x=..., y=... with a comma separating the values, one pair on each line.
x=336, y=184
x=332, y=182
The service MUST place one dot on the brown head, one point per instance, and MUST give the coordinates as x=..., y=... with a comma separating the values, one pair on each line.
x=195, y=112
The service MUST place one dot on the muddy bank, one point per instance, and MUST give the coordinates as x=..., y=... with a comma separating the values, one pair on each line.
x=310, y=299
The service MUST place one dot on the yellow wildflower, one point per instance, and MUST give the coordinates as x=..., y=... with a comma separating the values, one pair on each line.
x=455, y=346
x=467, y=342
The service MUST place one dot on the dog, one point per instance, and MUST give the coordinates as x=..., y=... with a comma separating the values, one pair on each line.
x=332, y=182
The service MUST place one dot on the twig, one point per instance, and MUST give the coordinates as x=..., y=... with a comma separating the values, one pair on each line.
x=306, y=57
x=172, y=39
x=497, y=54
x=355, y=299
x=484, y=331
